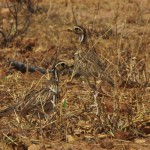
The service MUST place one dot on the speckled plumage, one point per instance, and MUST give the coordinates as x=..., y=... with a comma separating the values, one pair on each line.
x=87, y=61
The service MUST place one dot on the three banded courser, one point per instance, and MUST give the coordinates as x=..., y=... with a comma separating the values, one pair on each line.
x=88, y=63
x=39, y=102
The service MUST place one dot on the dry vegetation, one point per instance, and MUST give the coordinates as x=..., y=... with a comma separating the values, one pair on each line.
x=37, y=35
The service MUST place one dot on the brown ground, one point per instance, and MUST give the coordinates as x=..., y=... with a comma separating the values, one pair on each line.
x=116, y=27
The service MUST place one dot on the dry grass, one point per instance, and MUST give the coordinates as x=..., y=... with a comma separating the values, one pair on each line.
x=120, y=32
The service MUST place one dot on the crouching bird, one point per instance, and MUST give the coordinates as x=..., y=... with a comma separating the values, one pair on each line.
x=39, y=102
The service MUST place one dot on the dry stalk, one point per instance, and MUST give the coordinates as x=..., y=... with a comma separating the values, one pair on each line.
x=18, y=22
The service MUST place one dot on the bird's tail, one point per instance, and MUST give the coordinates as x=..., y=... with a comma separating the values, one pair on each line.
x=6, y=111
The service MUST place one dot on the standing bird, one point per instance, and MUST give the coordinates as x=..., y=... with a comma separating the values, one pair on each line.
x=87, y=61
x=39, y=102
x=88, y=64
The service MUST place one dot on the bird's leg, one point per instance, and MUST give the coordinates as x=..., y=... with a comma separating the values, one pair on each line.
x=73, y=74
x=93, y=87
x=75, y=70
x=95, y=101
x=95, y=95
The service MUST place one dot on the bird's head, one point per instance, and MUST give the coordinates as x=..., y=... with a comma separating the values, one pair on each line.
x=80, y=31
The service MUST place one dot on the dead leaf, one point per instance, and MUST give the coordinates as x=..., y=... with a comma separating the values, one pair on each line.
x=108, y=144
x=102, y=136
x=84, y=125
x=123, y=107
x=124, y=135
x=88, y=138
x=34, y=147
x=139, y=141
x=106, y=90
x=70, y=138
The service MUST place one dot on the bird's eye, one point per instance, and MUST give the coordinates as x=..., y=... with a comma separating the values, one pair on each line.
x=76, y=29
x=63, y=64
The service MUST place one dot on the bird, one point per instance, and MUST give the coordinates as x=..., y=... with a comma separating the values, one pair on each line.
x=87, y=61
x=89, y=65
x=39, y=102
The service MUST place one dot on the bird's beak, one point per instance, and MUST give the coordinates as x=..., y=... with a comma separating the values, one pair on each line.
x=69, y=30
